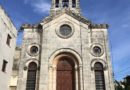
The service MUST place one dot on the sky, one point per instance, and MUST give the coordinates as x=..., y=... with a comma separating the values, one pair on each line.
x=116, y=13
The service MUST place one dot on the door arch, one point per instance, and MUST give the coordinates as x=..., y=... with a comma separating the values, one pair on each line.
x=73, y=57
x=65, y=79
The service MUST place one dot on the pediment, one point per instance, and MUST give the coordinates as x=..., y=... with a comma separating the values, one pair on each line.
x=69, y=13
x=66, y=13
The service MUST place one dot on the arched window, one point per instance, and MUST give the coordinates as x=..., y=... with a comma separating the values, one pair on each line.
x=99, y=76
x=31, y=77
x=57, y=3
x=73, y=3
x=65, y=3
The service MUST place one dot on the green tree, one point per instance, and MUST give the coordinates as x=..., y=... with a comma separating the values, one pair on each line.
x=118, y=86
x=124, y=85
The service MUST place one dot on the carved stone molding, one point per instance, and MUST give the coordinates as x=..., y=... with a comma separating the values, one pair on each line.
x=103, y=62
x=58, y=29
x=97, y=53
x=30, y=26
x=98, y=26
x=70, y=13
x=30, y=47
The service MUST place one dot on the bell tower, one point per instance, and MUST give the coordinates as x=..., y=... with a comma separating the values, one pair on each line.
x=62, y=5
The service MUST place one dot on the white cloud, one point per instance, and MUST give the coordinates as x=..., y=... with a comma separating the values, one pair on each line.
x=125, y=25
x=42, y=7
x=39, y=6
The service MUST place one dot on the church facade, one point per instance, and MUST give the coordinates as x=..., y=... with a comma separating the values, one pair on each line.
x=65, y=51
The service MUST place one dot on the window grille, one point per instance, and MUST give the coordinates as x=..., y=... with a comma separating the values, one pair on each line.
x=57, y=3
x=65, y=3
x=99, y=77
x=31, y=77
x=73, y=3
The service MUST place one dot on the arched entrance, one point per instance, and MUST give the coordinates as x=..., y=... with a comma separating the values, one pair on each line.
x=65, y=66
x=65, y=74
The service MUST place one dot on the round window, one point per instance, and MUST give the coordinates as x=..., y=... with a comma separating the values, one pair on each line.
x=34, y=50
x=65, y=30
x=97, y=50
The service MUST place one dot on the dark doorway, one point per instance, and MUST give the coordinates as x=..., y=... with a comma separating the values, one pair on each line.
x=65, y=74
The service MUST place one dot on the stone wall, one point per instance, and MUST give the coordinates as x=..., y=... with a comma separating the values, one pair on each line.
x=6, y=51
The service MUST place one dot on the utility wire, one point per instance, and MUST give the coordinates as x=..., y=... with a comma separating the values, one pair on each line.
x=124, y=63
x=113, y=65
x=112, y=59
x=123, y=70
x=123, y=73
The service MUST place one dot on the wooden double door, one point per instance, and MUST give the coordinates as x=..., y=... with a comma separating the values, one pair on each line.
x=65, y=74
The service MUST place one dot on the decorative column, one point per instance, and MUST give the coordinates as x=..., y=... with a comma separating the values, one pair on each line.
x=52, y=7
x=50, y=77
x=77, y=3
x=77, y=78
x=81, y=76
x=70, y=3
x=60, y=3
x=54, y=78
x=53, y=3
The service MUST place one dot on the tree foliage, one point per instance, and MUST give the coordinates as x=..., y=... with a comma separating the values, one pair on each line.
x=123, y=85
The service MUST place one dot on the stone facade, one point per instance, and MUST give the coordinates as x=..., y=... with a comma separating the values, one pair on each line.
x=47, y=42
x=14, y=75
x=8, y=36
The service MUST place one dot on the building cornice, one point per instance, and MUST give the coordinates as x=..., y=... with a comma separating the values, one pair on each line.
x=68, y=12
x=98, y=26
x=30, y=26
